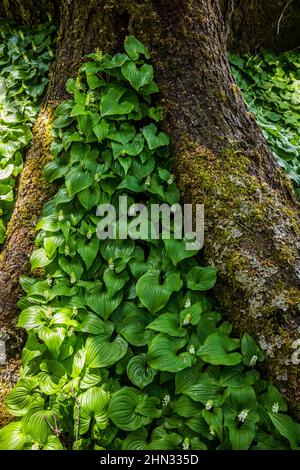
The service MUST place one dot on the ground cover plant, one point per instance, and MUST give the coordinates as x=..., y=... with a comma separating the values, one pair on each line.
x=270, y=84
x=25, y=56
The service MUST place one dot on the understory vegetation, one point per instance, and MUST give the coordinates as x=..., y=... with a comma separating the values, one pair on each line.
x=271, y=86
x=125, y=349
x=25, y=56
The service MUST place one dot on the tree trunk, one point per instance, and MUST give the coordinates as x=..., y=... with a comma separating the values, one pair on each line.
x=221, y=160
x=253, y=24
x=29, y=12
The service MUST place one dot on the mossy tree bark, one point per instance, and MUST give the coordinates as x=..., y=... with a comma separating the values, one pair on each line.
x=221, y=160
x=252, y=24
x=29, y=12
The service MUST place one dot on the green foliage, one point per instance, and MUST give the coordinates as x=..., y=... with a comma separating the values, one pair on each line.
x=124, y=349
x=271, y=86
x=24, y=61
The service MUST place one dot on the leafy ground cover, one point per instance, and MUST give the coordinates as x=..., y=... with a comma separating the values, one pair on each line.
x=25, y=56
x=125, y=349
x=271, y=86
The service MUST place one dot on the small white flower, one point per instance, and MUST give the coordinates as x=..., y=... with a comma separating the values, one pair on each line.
x=209, y=405
x=171, y=180
x=35, y=447
x=67, y=250
x=49, y=281
x=89, y=235
x=275, y=407
x=148, y=180
x=187, y=319
x=212, y=430
x=25, y=57
x=186, y=444
x=73, y=278
x=49, y=312
x=187, y=303
x=243, y=415
x=253, y=361
x=111, y=264
x=166, y=400
x=46, y=294
x=70, y=331
x=191, y=349
x=61, y=215
x=89, y=98
x=77, y=83
x=98, y=55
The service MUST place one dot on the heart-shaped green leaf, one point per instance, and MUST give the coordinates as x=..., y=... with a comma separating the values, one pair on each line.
x=77, y=180
x=88, y=251
x=133, y=326
x=200, y=278
x=123, y=409
x=13, y=437
x=114, y=282
x=240, y=412
x=177, y=251
x=102, y=302
x=167, y=323
x=217, y=349
x=53, y=338
x=92, y=405
x=153, y=139
x=90, y=197
x=101, y=130
x=138, y=77
x=38, y=421
x=154, y=292
x=100, y=352
x=22, y=396
x=163, y=354
x=135, y=48
x=111, y=102
x=39, y=259
x=139, y=372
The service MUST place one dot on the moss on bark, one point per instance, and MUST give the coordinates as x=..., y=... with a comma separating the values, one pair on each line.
x=9, y=375
x=29, y=12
